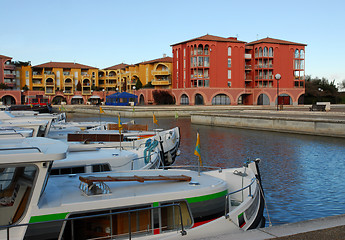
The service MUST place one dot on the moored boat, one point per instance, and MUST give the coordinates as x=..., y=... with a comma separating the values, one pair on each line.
x=148, y=204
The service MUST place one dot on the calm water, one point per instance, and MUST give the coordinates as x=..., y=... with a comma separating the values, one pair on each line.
x=302, y=175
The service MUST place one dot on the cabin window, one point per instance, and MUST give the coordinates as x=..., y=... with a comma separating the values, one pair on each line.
x=16, y=184
x=67, y=170
x=138, y=221
x=100, y=168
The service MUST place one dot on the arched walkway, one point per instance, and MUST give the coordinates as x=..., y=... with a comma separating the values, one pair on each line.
x=263, y=99
x=221, y=99
x=198, y=99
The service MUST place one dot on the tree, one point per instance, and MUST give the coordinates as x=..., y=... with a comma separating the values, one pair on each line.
x=320, y=90
x=138, y=85
x=3, y=86
x=148, y=85
x=78, y=86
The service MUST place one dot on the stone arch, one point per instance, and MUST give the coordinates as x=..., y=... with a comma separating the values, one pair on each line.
x=300, y=98
x=263, y=99
x=58, y=99
x=77, y=100
x=8, y=100
x=284, y=99
x=221, y=99
x=184, y=99
x=199, y=99
x=156, y=68
x=141, y=100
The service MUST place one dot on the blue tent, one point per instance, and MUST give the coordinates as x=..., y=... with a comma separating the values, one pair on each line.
x=121, y=99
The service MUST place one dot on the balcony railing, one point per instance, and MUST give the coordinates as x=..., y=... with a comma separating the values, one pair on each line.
x=167, y=72
x=9, y=75
x=161, y=82
x=9, y=67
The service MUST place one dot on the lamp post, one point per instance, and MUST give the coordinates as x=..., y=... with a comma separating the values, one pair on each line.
x=277, y=77
x=103, y=90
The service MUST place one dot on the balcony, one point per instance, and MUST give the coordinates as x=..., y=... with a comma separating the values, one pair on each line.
x=156, y=82
x=9, y=75
x=37, y=75
x=167, y=72
x=9, y=67
x=248, y=56
x=37, y=83
x=70, y=84
x=50, y=84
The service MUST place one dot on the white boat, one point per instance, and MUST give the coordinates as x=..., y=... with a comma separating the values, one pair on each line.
x=87, y=159
x=143, y=204
x=169, y=140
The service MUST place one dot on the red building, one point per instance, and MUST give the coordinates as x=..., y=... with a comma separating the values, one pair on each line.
x=212, y=70
x=7, y=72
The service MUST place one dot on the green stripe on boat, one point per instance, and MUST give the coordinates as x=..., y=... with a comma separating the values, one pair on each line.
x=49, y=217
x=207, y=197
x=155, y=204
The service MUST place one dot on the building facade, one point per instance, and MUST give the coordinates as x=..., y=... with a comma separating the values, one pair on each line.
x=8, y=72
x=211, y=70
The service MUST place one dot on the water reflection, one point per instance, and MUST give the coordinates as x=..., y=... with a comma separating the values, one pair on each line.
x=301, y=174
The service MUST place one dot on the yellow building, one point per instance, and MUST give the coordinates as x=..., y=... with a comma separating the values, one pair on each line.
x=60, y=76
x=123, y=77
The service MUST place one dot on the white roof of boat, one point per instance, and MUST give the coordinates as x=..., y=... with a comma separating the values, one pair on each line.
x=25, y=150
x=63, y=191
x=98, y=155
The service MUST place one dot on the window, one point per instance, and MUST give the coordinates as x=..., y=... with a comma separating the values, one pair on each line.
x=176, y=53
x=229, y=62
x=200, y=50
x=302, y=64
x=206, y=73
x=16, y=187
x=229, y=84
x=184, y=52
x=302, y=53
x=206, y=61
x=256, y=52
x=26, y=73
x=260, y=52
x=184, y=63
x=296, y=53
x=229, y=74
x=200, y=61
x=270, y=52
x=229, y=51
x=206, y=50
x=265, y=52
x=176, y=64
x=184, y=74
x=101, y=167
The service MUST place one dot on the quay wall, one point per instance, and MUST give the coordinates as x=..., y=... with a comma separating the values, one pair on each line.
x=293, y=120
x=308, y=124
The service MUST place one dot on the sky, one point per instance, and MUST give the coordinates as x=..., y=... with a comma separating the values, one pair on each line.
x=104, y=33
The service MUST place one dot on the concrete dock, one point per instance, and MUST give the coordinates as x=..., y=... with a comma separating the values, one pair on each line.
x=327, y=228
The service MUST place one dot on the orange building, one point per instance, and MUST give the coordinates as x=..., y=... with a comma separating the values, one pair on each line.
x=212, y=70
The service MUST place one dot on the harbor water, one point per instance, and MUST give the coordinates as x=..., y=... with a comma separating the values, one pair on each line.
x=301, y=174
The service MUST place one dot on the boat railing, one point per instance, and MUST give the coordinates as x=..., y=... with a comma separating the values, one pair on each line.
x=110, y=214
x=228, y=202
x=202, y=168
